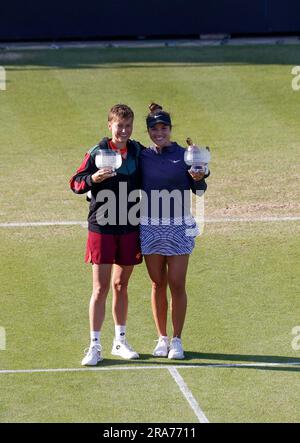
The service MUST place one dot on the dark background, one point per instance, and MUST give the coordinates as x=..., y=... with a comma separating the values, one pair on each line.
x=99, y=19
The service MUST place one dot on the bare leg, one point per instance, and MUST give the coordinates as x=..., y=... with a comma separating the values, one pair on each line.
x=120, y=278
x=177, y=269
x=101, y=280
x=157, y=269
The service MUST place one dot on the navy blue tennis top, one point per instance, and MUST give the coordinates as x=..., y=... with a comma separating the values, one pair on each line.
x=167, y=170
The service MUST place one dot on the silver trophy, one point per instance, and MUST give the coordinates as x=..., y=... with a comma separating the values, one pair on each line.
x=197, y=157
x=107, y=158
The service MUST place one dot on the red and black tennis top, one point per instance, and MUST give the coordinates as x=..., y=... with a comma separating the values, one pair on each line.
x=126, y=180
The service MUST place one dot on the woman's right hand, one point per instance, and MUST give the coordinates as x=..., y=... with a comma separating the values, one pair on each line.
x=102, y=174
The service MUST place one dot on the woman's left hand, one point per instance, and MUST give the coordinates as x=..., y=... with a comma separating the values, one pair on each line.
x=197, y=176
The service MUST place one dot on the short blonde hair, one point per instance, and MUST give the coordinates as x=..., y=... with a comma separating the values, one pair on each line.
x=120, y=111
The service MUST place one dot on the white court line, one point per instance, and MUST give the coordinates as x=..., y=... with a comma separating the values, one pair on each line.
x=251, y=219
x=147, y=367
x=206, y=220
x=188, y=395
x=46, y=223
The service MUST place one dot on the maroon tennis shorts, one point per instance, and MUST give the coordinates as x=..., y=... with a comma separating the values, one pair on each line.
x=121, y=249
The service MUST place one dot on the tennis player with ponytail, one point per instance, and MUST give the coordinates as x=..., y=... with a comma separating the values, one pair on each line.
x=166, y=244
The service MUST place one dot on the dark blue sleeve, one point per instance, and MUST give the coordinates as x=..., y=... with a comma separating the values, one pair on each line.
x=200, y=185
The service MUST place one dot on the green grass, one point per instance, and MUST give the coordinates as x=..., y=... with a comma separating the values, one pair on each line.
x=237, y=100
x=246, y=395
x=243, y=277
x=89, y=397
x=242, y=308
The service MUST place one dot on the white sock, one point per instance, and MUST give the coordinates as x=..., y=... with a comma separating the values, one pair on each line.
x=120, y=332
x=95, y=337
x=164, y=337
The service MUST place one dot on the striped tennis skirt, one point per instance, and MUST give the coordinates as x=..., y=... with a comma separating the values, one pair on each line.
x=167, y=237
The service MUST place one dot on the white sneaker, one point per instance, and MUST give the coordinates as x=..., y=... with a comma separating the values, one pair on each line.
x=122, y=349
x=176, y=351
x=162, y=347
x=93, y=356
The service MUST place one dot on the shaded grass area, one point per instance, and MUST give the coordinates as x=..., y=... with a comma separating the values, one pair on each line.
x=93, y=57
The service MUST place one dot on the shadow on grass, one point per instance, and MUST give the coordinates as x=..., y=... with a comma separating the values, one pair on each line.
x=241, y=358
x=99, y=58
x=262, y=362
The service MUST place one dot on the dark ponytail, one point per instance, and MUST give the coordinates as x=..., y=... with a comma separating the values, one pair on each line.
x=157, y=115
x=154, y=108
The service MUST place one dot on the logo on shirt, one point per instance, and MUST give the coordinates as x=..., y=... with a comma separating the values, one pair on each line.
x=175, y=161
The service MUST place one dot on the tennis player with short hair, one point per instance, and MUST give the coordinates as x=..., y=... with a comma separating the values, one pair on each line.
x=112, y=248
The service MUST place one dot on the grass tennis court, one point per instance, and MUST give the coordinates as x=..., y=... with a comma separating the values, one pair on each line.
x=243, y=282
